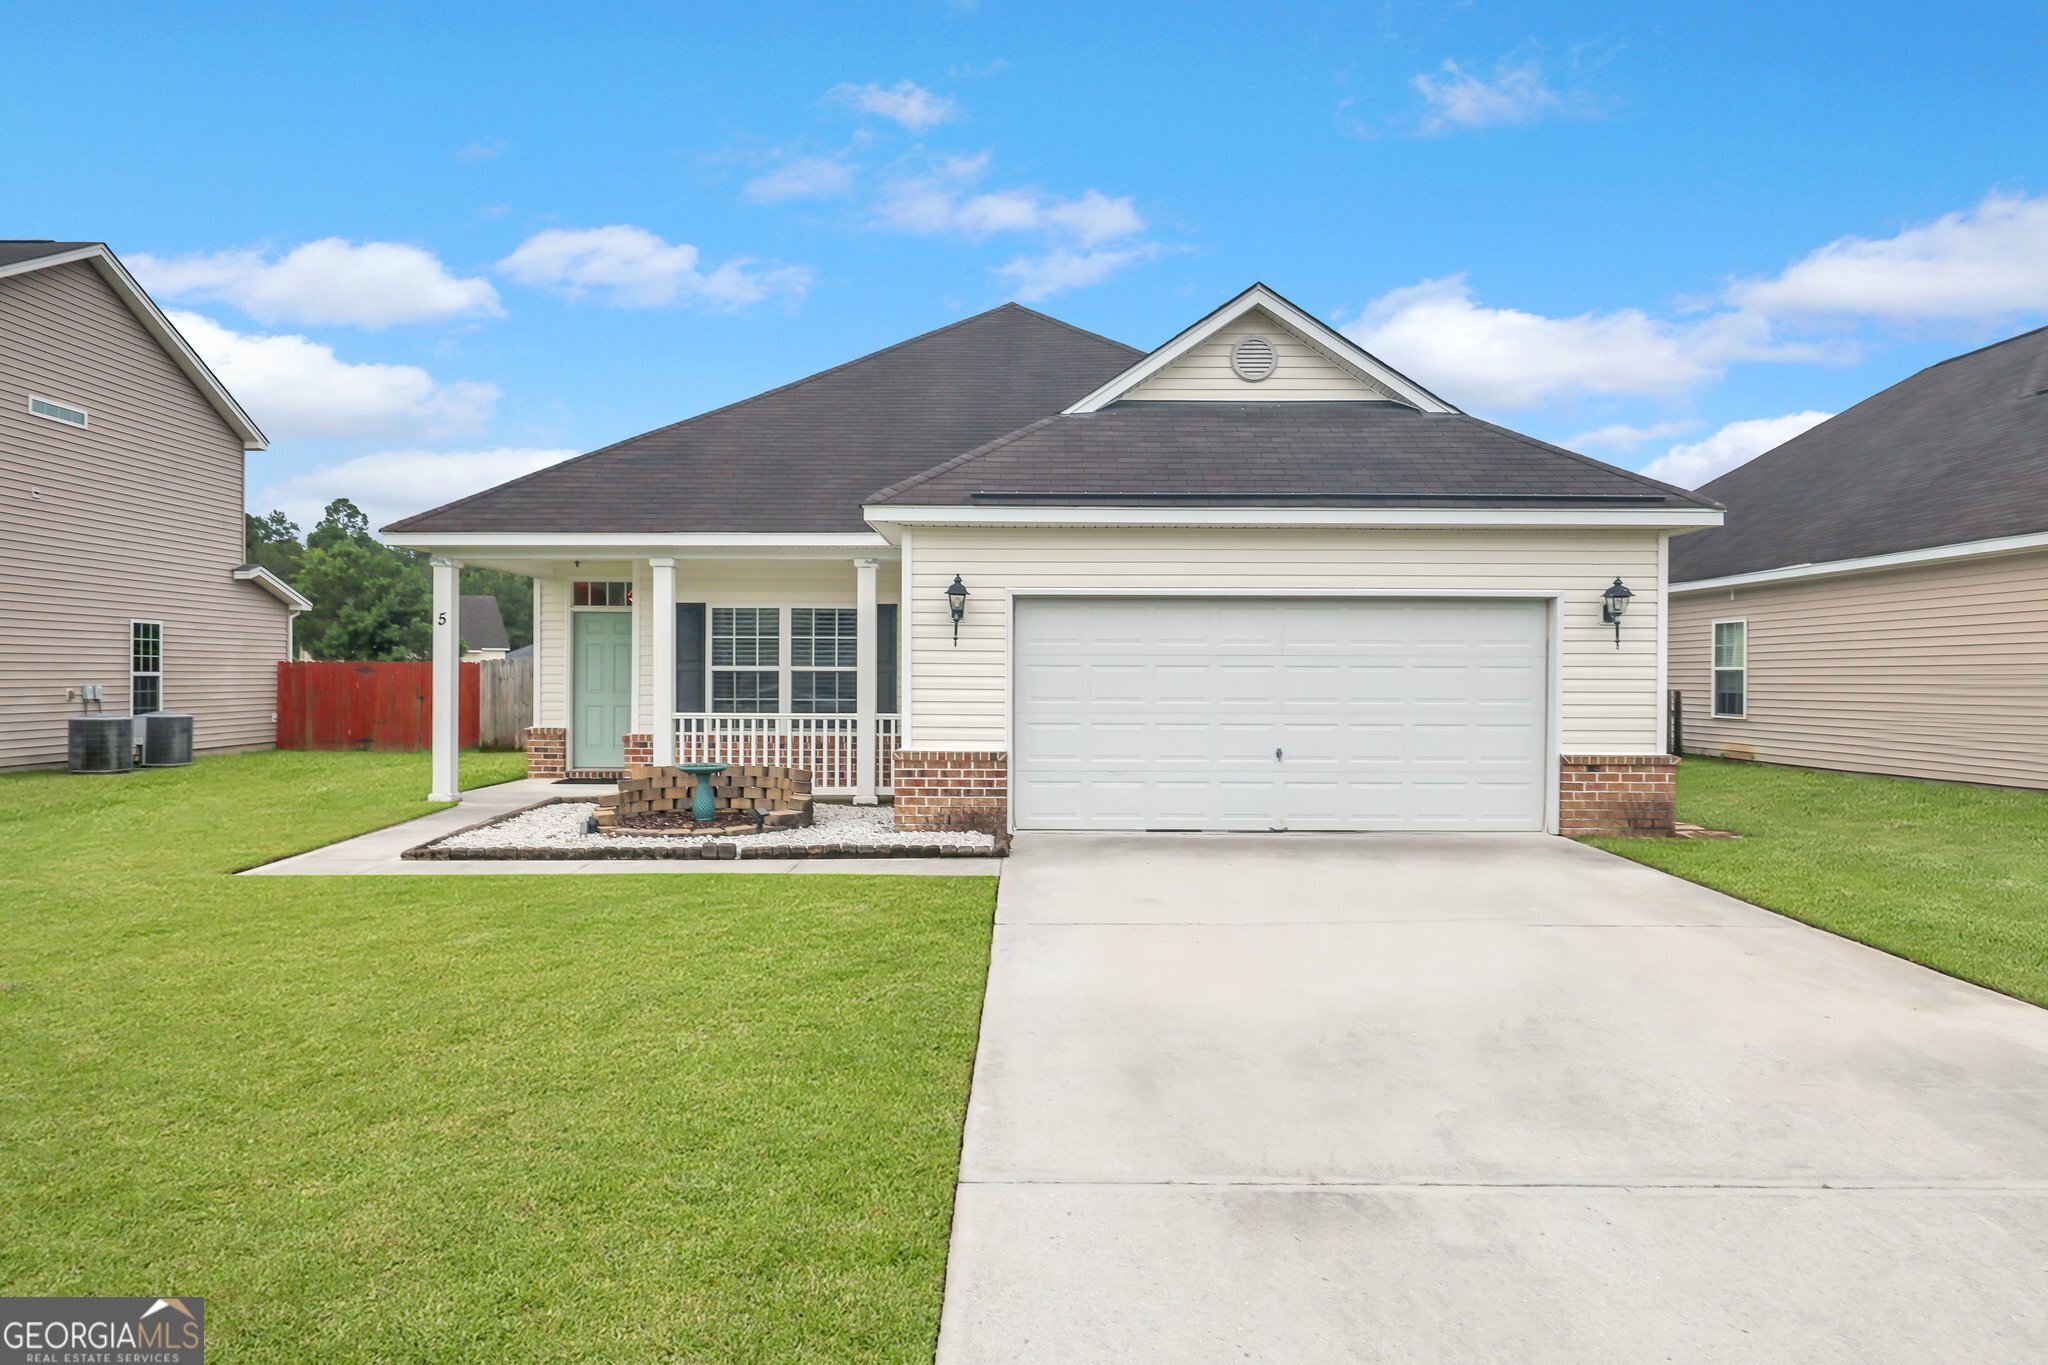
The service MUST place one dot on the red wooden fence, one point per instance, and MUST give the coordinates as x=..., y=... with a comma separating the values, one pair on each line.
x=382, y=707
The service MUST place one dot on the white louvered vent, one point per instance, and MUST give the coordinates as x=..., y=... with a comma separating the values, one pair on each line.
x=1253, y=359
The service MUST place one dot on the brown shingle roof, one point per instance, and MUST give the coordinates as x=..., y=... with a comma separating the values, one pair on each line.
x=1958, y=452
x=800, y=458
x=1293, y=454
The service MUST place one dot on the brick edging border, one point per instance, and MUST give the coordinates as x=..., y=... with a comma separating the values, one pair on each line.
x=725, y=850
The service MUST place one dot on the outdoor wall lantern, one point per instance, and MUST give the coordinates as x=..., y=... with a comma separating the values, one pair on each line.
x=1613, y=604
x=956, y=601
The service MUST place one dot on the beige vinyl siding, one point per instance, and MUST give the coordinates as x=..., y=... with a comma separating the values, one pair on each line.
x=137, y=516
x=1936, y=671
x=959, y=695
x=1305, y=374
x=716, y=582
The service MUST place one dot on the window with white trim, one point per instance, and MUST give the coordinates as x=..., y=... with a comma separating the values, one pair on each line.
x=823, y=652
x=601, y=595
x=746, y=659
x=68, y=414
x=1731, y=669
x=145, y=667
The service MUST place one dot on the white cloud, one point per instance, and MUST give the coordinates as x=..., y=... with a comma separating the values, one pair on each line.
x=1078, y=231
x=489, y=149
x=397, y=483
x=1504, y=358
x=811, y=177
x=1622, y=437
x=1038, y=277
x=905, y=103
x=297, y=388
x=1454, y=99
x=1982, y=263
x=325, y=283
x=1693, y=464
x=630, y=267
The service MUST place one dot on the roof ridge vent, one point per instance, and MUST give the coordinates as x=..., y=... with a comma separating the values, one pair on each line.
x=1253, y=358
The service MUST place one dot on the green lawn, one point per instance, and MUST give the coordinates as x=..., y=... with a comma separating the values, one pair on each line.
x=702, y=1118
x=1951, y=876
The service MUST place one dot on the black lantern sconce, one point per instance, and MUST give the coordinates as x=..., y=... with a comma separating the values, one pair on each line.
x=956, y=602
x=1613, y=604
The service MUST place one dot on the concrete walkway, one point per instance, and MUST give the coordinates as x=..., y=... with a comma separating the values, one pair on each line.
x=1504, y=1098
x=379, y=854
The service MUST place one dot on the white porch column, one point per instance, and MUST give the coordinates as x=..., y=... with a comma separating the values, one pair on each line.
x=447, y=697
x=866, y=624
x=662, y=639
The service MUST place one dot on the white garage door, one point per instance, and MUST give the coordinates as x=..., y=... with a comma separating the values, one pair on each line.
x=1280, y=713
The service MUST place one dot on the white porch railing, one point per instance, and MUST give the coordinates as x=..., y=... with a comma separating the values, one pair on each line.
x=824, y=745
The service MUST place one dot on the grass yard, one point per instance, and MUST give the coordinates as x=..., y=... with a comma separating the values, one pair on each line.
x=1953, y=877
x=440, y=1118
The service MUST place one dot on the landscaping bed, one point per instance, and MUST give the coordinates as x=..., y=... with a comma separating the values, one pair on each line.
x=561, y=829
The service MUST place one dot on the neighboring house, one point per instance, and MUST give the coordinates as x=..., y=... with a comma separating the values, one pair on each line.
x=483, y=629
x=1253, y=579
x=1878, y=601
x=121, y=566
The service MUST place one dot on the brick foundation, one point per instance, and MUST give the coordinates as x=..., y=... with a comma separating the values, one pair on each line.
x=639, y=750
x=946, y=790
x=1616, y=794
x=547, y=751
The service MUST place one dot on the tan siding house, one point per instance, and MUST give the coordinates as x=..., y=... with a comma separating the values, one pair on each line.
x=121, y=467
x=1013, y=574
x=1878, y=601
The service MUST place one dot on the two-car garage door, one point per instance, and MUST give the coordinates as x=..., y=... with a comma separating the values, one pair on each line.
x=1280, y=713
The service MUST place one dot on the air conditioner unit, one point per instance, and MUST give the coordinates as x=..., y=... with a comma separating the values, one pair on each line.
x=166, y=740
x=102, y=744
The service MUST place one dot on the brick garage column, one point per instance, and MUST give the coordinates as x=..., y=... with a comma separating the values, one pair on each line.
x=547, y=751
x=1619, y=794
x=943, y=789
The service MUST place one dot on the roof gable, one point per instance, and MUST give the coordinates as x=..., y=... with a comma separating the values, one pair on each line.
x=20, y=257
x=1187, y=366
x=1954, y=454
x=1301, y=371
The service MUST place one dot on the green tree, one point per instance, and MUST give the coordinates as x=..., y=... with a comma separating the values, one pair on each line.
x=370, y=600
x=273, y=544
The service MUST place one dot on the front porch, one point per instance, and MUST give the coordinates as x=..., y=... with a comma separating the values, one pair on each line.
x=739, y=659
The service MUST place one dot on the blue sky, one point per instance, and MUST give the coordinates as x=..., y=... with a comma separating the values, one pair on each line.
x=433, y=247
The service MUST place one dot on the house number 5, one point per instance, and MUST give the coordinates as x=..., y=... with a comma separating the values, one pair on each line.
x=442, y=619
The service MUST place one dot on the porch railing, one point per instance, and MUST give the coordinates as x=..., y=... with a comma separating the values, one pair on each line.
x=825, y=745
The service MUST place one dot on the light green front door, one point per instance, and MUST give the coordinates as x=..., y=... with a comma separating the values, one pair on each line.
x=603, y=695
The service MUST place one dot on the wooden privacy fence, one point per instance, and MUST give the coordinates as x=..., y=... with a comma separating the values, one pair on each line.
x=386, y=708
x=505, y=693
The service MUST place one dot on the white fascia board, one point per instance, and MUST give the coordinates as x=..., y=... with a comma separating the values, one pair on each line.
x=1314, y=331
x=1490, y=517
x=158, y=326
x=1903, y=559
x=640, y=545
x=276, y=587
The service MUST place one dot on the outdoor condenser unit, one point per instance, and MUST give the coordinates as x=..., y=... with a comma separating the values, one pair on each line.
x=102, y=744
x=166, y=739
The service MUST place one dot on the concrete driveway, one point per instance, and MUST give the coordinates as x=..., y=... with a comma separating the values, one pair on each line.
x=1321, y=1098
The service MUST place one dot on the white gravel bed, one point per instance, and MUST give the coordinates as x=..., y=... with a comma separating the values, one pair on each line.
x=562, y=826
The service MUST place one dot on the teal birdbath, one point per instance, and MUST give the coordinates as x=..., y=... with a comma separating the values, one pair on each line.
x=705, y=805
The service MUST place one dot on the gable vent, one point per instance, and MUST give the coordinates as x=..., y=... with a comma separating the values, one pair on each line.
x=1253, y=359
